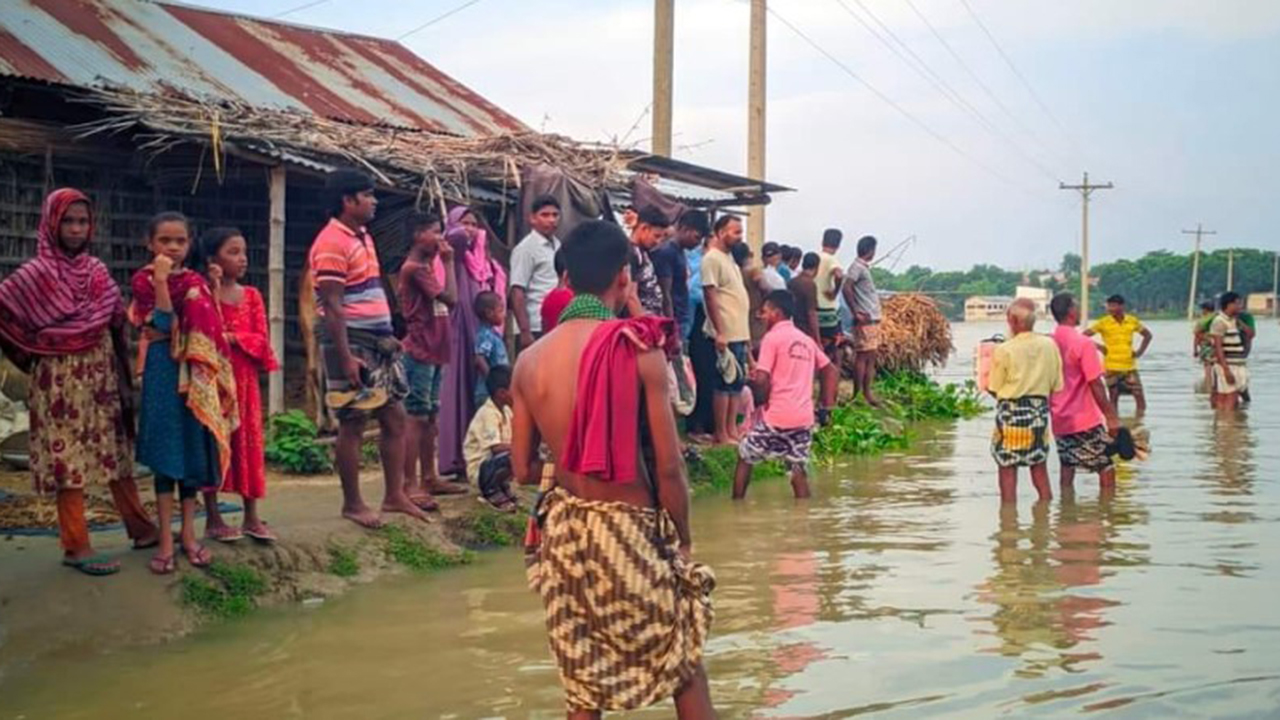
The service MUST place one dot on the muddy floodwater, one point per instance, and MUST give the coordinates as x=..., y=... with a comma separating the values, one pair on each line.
x=902, y=589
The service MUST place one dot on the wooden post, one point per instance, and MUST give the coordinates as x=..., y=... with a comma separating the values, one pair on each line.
x=275, y=289
x=663, y=51
x=757, y=67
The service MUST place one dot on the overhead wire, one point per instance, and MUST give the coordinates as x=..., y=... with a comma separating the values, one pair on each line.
x=1021, y=78
x=927, y=73
x=995, y=100
x=437, y=19
x=923, y=126
x=299, y=8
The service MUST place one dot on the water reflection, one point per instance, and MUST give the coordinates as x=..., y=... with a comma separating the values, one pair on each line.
x=1045, y=585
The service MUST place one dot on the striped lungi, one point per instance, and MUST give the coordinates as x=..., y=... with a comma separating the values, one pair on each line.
x=627, y=617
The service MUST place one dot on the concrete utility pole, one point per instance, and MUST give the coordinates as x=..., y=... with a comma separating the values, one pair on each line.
x=1275, y=284
x=755, y=120
x=664, y=24
x=1195, y=267
x=1231, y=269
x=1085, y=189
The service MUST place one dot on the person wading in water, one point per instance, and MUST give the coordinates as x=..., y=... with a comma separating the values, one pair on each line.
x=628, y=627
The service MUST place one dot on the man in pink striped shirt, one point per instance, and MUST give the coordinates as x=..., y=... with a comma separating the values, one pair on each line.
x=1084, y=420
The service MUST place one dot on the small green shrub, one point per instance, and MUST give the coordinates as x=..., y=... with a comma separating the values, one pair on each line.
x=291, y=444
x=914, y=396
x=370, y=455
x=229, y=591
x=857, y=430
x=417, y=555
x=343, y=562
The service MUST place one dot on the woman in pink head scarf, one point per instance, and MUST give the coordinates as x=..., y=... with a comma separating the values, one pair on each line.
x=62, y=320
x=476, y=273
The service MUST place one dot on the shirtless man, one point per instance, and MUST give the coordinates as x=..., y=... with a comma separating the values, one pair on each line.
x=596, y=675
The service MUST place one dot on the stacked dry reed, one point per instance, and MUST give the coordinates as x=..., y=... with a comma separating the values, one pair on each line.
x=914, y=334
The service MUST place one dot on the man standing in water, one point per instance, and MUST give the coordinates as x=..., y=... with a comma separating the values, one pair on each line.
x=1117, y=329
x=864, y=302
x=1084, y=420
x=627, y=609
x=1025, y=370
x=1230, y=376
x=784, y=430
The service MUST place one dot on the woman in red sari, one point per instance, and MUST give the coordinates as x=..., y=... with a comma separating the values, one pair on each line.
x=62, y=320
x=224, y=254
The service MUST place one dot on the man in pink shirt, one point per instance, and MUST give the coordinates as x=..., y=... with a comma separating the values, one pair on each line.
x=1084, y=420
x=783, y=428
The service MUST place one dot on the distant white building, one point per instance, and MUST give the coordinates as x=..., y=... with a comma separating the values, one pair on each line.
x=1040, y=296
x=982, y=308
x=1261, y=304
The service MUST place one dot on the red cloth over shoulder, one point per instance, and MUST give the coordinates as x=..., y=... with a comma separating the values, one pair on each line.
x=604, y=433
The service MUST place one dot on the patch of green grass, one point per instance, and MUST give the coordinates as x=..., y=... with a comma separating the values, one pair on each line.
x=343, y=561
x=490, y=528
x=229, y=591
x=711, y=469
x=370, y=455
x=416, y=555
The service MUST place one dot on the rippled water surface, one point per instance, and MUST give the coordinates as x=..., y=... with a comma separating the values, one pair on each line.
x=901, y=589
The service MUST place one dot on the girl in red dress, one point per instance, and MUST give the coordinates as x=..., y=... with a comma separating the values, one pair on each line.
x=225, y=257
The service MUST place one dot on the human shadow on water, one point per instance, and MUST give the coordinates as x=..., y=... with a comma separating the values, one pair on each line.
x=1037, y=618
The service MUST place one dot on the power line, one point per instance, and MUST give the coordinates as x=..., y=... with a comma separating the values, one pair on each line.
x=299, y=8
x=921, y=68
x=1021, y=78
x=437, y=19
x=978, y=81
x=890, y=102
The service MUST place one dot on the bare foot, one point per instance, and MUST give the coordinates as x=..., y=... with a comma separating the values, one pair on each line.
x=404, y=506
x=424, y=501
x=364, y=517
x=443, y=488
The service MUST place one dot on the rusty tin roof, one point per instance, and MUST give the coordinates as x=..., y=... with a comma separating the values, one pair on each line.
x=158, y=47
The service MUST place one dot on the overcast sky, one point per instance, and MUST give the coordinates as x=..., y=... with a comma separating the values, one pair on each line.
x=1175, y=101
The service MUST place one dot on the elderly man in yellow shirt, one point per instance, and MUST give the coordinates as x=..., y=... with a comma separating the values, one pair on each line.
x=1117, y=329
x=1025, y=370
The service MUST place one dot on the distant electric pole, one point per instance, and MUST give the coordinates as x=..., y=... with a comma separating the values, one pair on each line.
x=1231, y=269
x=664, y=13
x=1195, y=267
x=1275, y=284
x=757, y=70
x=1085, y=189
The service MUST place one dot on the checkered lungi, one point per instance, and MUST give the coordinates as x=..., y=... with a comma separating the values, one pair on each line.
x=1086, y=450
x=1022, y=429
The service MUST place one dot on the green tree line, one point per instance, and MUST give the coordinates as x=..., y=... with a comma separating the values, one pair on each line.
x=1157, y=283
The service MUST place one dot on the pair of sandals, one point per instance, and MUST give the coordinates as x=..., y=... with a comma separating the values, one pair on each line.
x=199, y=557
x=100, y=564
x=427, y=503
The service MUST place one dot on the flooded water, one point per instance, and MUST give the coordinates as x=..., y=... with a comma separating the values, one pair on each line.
x=901, y=589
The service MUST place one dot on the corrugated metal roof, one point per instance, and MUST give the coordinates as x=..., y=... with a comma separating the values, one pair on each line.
x=155, y=47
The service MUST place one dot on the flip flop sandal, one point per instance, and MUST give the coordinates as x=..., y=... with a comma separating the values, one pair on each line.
x=94, y=565
x=226, y=534
x=163, y=565
x=201, y=558
x=262, y=533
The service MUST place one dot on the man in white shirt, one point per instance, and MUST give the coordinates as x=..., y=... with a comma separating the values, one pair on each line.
x=533, y=269
x=771, y=279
